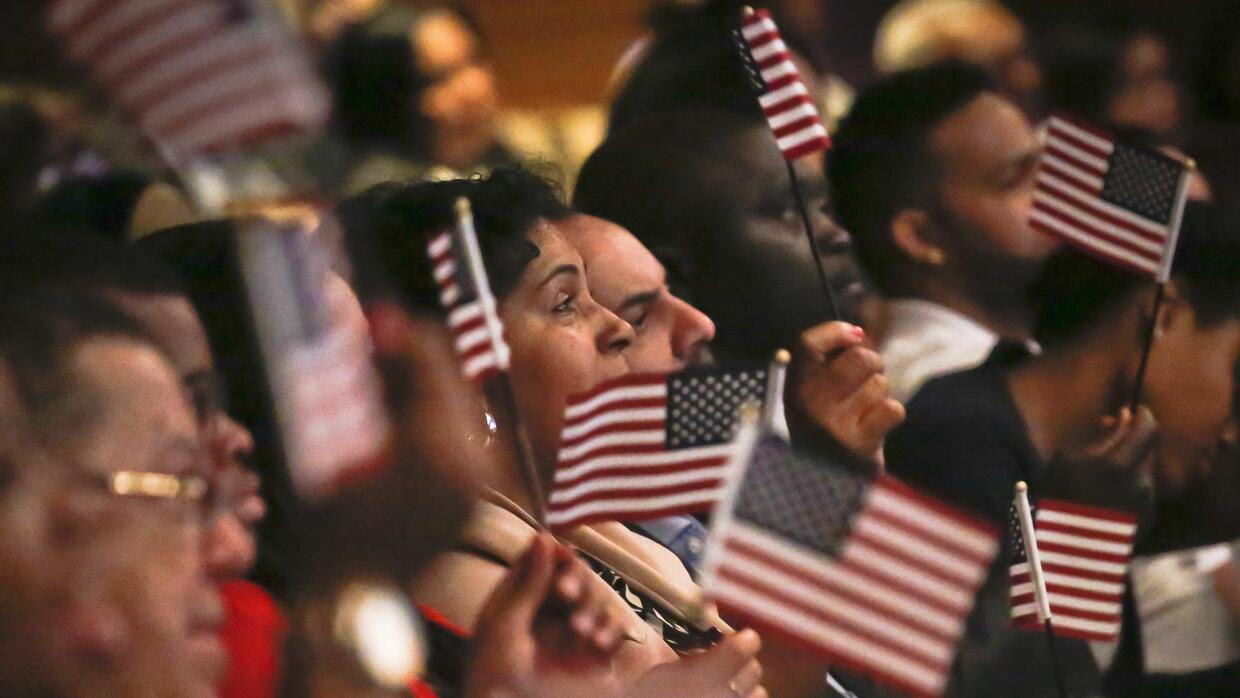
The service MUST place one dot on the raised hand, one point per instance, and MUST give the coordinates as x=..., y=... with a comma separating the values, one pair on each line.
x=730, y=669
x=547, y=631
x=839, y=391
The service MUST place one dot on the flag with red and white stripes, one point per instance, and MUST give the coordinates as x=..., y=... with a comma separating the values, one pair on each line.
x=326, y=392
x=464, y=292
x=1120, y=202
x=863, y=572
x=786, y=102
x=198, y=76
x=649, y=445
x=1084, y=552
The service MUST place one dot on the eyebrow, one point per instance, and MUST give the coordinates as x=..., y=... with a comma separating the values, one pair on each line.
x=640, y=298
x=562, y=269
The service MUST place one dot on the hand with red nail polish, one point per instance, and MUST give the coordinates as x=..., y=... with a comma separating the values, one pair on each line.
x=838, y=392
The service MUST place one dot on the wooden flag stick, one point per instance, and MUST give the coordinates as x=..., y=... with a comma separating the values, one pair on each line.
x=755, y=76
x=1146, y=345
x=776, y=377
x=1163, y=274
x=1040, y=598
x=813, y=243
x=500, y=387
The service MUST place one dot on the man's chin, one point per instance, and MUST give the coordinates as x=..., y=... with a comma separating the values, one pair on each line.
x=208, y=661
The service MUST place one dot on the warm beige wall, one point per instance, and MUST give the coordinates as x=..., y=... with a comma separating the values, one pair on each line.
x=557, y=53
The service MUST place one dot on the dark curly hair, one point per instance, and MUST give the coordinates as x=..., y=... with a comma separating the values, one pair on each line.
x=387, y=226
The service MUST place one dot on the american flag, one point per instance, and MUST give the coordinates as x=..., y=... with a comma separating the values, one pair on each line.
x=649, y=445
x=864, y=572
x=1085, y=553
x=199, y=76
x=1113, y=200
x=465, y=294
x=788, y=106
x=326, y=391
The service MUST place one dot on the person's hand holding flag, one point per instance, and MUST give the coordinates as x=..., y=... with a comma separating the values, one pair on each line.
x=840, y=394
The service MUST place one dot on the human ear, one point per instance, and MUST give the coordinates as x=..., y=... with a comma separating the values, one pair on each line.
x=909, y=230
x=1172, y=310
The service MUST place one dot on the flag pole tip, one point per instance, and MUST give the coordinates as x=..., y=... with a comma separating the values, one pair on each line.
x=462, y=205
x=750, y=412
x=747, y=11
x=783, y=357
x=1022, y=487
x=1190, y=163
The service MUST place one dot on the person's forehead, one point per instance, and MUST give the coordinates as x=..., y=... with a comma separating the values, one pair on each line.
x=553, y=249
x=173, y=323
x=139, y=391
x=442, y=41
x=617, y=263
x=987, y=131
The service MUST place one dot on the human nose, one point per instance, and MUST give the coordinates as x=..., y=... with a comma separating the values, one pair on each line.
x=613, y=335
x=691, y=330
x=230, y=442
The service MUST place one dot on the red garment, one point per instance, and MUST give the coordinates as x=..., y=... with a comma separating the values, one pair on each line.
x=253, y=634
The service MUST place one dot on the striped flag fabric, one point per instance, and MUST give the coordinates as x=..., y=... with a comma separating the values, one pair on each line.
x=198, y=76
x=465, y=294
x=786, y=102
x=862, y=572
x=1085, y=552
x=649, y=445
x=1120, y=202
x=325, y=389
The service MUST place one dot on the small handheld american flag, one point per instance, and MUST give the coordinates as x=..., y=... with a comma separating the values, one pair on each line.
x=325, y=390
x=199, y=76
x=865, y=573
x=788, y=106
x=1119, y=202
x=1084, y=554
x=649, y=445
x=465, y=293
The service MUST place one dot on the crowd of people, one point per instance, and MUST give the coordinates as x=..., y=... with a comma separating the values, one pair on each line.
x=159, y=540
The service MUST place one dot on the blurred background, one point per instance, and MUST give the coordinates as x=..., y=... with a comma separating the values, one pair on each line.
x=554, y=61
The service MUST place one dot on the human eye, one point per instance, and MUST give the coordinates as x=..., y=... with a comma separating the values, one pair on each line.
x=565, y=303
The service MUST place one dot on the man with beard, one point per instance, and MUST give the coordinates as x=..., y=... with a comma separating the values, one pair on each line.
x=932, y=175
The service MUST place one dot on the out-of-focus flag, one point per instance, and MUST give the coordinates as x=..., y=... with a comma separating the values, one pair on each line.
x=1120, y=202
x=1084, y=553
x=199, y=76
x=785, y=100
x=324, y=387
x=649, y=445
x=465, y=293
x=863, y=572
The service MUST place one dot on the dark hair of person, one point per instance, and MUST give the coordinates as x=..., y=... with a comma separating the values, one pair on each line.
x=662, y=177
x=27, y=139
x=692, y=61
x=1081, y=69
x=882, y=162
x=39, y=329
x=391, y=223
x=83, y=261
x=1075, y=290
x=376, y=85
x=102, y=205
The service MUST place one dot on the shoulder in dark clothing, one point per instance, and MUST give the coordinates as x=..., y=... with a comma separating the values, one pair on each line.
x=965, y=442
